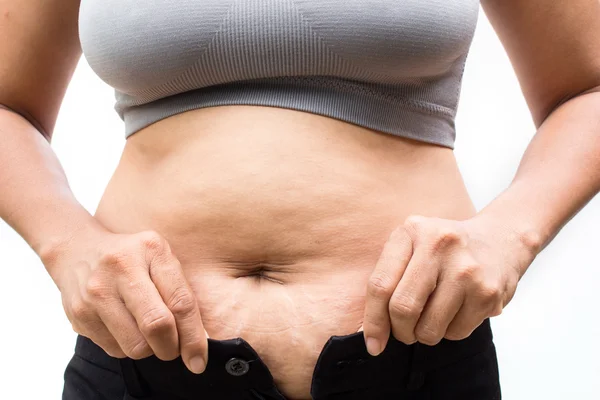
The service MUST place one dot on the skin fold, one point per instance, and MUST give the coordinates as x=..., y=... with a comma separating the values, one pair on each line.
x=284, y=227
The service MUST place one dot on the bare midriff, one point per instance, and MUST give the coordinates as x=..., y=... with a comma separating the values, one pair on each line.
x=278, y=218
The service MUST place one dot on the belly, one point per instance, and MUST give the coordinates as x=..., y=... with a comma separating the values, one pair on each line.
x=278, y=218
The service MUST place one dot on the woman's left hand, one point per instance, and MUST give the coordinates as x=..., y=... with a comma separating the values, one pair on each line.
x=439, y=278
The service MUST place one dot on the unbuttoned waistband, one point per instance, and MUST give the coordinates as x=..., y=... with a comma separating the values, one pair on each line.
x=236, y=371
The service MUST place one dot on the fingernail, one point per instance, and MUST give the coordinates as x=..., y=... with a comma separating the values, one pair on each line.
x=197, y=365
x=373, y=346
x=360, y=329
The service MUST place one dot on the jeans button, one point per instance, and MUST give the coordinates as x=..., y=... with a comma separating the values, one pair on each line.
x=237, y=367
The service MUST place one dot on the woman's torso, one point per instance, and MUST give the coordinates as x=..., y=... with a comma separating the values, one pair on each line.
x=278, y=218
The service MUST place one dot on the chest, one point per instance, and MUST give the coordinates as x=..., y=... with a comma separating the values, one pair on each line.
x=135, y=43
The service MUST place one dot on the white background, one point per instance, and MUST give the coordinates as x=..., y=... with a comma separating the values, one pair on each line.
x=547, y=338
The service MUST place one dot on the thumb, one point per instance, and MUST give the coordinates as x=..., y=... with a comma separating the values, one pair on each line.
x=388, y=272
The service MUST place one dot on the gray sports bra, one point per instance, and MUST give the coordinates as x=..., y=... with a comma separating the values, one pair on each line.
x=394, y=66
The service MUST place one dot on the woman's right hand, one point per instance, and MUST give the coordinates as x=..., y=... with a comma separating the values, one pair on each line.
x=128, y=294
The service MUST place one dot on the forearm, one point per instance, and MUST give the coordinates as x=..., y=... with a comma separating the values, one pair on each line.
x=558, y=175
x=35, y=196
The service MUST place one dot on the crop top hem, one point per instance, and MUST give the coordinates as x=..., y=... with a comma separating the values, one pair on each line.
x=407, y=118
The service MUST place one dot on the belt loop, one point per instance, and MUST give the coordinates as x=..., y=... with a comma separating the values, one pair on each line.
x=133, y=383
x=416, y=375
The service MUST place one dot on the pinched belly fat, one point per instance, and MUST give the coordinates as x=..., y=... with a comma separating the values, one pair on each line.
x=278, y=218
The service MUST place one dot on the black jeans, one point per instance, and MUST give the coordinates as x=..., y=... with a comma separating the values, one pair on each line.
x=451, y=370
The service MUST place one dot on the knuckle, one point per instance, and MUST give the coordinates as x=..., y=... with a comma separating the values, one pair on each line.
x=380, y=285
x=80, y=311
x=414, y=221
x=489, y=293
x=152, y=241
x=182, y=302
x=446, y=237
x=77, y=328
x=404, y=308
x=156, y=322
x=468, y=272
x=113, y=258
x=96, y=287
x=510, y=289
x=496, y=311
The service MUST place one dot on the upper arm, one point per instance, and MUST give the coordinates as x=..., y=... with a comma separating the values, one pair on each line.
x=39, y=50
x=553, y=45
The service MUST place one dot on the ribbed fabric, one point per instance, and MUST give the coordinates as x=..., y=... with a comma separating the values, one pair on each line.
x=392, y=66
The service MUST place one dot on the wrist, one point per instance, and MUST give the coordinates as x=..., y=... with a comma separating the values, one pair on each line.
x=524, y=239
x=52, y=247
x=524, y=210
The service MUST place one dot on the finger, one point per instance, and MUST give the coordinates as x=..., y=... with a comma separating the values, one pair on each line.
x=167, y=275
x=411, y=294
x=110, y=346
x=97, y=332
x=86, y=322
x=387, y=273
x=468, y=318
x=105, y=340
x=440, y=310
x=485, y=298
x=123, y=327
x=153, y=318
